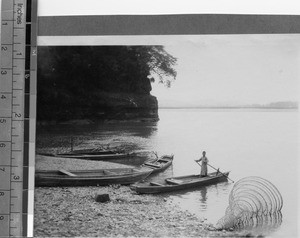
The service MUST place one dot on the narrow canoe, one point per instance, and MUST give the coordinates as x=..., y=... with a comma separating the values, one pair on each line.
x=94, y=155
x=159, y=164
x=103, y=177
x=179, y=183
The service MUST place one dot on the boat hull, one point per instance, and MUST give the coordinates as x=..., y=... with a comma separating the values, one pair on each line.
x=191, y=181
x=90, y=178
x=164, y=162
x=94, y=156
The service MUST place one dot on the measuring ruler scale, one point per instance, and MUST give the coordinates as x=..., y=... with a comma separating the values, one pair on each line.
x=17, y=115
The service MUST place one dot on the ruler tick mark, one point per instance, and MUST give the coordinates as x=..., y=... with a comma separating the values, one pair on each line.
x=20, y=32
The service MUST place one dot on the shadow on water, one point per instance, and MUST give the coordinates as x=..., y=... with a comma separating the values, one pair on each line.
x=142, y=129
x=261, y=225
x=129, y=136
x=254, y=206
x=254, y=137
x=200, y=193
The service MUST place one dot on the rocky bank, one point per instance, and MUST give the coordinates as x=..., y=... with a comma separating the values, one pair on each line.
x=74, y=212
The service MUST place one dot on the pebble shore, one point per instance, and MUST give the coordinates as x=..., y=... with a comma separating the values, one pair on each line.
x=73, y=211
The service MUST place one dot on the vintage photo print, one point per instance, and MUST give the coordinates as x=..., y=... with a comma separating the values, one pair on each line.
x=167, y=135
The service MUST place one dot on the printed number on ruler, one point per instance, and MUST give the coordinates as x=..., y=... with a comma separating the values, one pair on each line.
x=15, y=36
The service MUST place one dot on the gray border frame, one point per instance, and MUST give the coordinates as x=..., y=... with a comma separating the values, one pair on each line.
x=168, y=24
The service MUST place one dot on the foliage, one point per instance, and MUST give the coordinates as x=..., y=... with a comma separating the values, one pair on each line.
x=69, y=76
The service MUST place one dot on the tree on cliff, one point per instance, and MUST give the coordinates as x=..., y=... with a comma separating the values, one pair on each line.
x=71, y=75
x=159, y=63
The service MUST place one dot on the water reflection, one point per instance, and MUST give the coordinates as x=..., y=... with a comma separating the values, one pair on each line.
x=254, y=139
x=199, y=200
x=203, y=193
x=261, y=225
x=129, y=136
x=254, y=204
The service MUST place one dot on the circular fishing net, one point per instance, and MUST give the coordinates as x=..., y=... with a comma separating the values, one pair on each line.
x=253, y=202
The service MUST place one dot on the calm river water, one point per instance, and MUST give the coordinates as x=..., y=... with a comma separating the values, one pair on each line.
x=246, y=142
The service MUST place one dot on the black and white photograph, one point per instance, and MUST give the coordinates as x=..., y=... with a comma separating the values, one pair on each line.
x=190, y=135
x=149, y=118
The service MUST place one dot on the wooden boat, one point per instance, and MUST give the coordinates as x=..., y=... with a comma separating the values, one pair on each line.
x=159, y=164
x=179, y=183
x=49, y=178
x=93, y=155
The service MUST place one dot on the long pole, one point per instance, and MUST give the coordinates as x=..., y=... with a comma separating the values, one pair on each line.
x=220, y=172
x=198, y=164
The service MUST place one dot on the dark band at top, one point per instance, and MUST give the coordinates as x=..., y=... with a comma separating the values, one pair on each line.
x=168, y=24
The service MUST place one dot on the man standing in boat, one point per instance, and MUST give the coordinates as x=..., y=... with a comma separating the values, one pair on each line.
x=204, y=164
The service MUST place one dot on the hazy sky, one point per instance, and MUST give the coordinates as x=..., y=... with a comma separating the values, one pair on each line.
x=211, y=69
x=218, y=69
x=233, y=69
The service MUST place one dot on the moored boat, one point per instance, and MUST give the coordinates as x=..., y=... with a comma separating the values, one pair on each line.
x=159, y=164
x=102, y=177
x=181, y=182
x=94, y=155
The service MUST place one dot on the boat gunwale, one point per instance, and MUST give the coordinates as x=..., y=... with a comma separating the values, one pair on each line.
x=62, y=181
x=93, y=173
x=197, y=175
x=93, y=156
x=225, y=174
x=164, y=164
x=66, y=177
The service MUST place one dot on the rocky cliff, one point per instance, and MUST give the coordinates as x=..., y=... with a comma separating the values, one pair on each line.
x=106, y=83
x=107, y=106
x=124, y=106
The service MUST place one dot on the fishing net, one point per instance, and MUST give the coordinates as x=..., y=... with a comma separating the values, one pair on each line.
x=253, y=202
